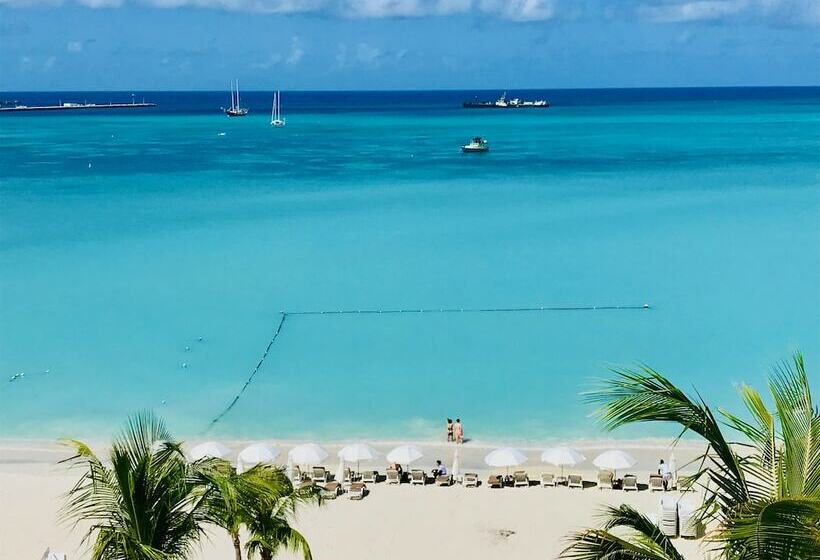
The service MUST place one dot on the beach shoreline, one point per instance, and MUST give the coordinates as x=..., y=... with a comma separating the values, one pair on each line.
x=460, y=522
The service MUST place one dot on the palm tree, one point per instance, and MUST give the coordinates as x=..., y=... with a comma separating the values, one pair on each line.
x=144, y=505
x=269, y=522
x=230, y=495
x=762, y=494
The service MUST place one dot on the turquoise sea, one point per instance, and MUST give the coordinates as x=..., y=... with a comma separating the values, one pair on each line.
x=125, y=237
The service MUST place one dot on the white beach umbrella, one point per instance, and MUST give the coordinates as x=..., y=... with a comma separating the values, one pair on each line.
x=562, y=457
x=405, y=454
x=254, y=455
x=673, y=469
x=289, y=469
x=340, y=471
x=505, y=457
x=212, y=449
x=357, y=452
x=308, y=454
x=455, y=469
x=614, y=460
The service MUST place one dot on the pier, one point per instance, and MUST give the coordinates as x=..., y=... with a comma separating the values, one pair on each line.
x=76, y=107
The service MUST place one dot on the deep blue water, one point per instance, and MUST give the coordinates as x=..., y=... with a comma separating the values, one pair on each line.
x=127, y=235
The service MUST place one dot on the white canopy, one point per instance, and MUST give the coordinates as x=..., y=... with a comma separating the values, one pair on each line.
x=357, y=452
x=256, y=454
x=562, y=456
x=455, y=470
x=405, y=454
x=308, y=454
x=505, y=457
x=212, y=449
x=614, y=459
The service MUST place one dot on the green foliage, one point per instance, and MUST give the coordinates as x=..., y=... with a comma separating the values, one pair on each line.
x=762, y=491
x=142, y=506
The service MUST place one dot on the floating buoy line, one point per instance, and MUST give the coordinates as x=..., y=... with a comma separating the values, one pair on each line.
x=285, y=314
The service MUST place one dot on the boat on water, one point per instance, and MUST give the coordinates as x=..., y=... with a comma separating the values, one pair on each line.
x=276, y=111
x=476, y=145
x=235, y=110
x=504, y=103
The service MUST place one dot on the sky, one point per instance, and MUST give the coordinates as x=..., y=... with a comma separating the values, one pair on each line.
x=406, y=44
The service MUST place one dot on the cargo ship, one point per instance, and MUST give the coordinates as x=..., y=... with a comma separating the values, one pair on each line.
x=504, y=103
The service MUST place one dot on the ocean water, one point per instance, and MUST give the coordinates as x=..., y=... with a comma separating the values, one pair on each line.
x=145, y=257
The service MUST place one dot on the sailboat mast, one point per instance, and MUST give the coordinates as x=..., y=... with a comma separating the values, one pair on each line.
x=237, y=94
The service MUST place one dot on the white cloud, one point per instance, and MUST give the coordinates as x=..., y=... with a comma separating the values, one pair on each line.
x=520, y=10
x=48, y=64
x=699, y=10
x=296, y=51
x=74, y=46
x=368, y=53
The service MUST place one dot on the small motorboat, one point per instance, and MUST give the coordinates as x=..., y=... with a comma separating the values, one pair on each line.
x=477, y=145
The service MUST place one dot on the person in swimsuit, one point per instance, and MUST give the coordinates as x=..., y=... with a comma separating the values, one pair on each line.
x=450, y=436
x=458, y=429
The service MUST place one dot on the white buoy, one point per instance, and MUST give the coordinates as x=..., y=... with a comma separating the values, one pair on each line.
x=89, y=165
x=184, y=365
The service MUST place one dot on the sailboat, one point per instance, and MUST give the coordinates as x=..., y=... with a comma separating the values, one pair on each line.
x=276, y=111
x=235, y=109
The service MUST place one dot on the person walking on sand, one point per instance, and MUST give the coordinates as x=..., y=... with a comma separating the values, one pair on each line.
x=458, y=430
x=450, y=436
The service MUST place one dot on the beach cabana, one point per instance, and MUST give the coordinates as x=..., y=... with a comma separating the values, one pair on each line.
x=614, y=460
x=255, y=454
x=562, y=457
x=209, y=449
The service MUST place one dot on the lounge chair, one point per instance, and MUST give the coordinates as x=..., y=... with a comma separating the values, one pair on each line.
x=444, y=480
x=520, y=478
x=547, y=479
x=630, y=483
x=417, y=476
x=471, y=480
x=687, y=520
x=686, y=483
x=575, y=481
x=393, y=476
x=605, y=479
x=331, y=490
x=319, y=475
x=357, y=491
x=656, y=483
x=495, y=481
x=668, y=515
x=369, y=476
x=347, y=477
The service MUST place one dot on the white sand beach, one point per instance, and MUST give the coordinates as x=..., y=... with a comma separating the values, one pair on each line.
x=397, y=522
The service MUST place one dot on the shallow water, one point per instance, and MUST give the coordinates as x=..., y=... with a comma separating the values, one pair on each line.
x=702, y=204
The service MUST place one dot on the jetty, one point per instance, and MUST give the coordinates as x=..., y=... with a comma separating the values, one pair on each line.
x=17, y=108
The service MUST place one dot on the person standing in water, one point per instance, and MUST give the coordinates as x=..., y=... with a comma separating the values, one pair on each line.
x=458, y=431
x=450, y=436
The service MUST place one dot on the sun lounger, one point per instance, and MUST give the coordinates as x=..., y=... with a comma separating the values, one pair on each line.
x=668, y=516
x=575, y=481
x=319, y=475
x=369, y=476
x=495, y=481
x=520, y=479
x=686, y=483
x=655, y=483
x=331, y=490
x=444, y=480
x=547, y=479
x=417, y=476
x=357, y=491
x=347, y=477
x=471, y=480
x=630, y=483
x=393, y=476
x=605, y=479
x=687, y=520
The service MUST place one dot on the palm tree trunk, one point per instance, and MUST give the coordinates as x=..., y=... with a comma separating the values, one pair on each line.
x=237, y=547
